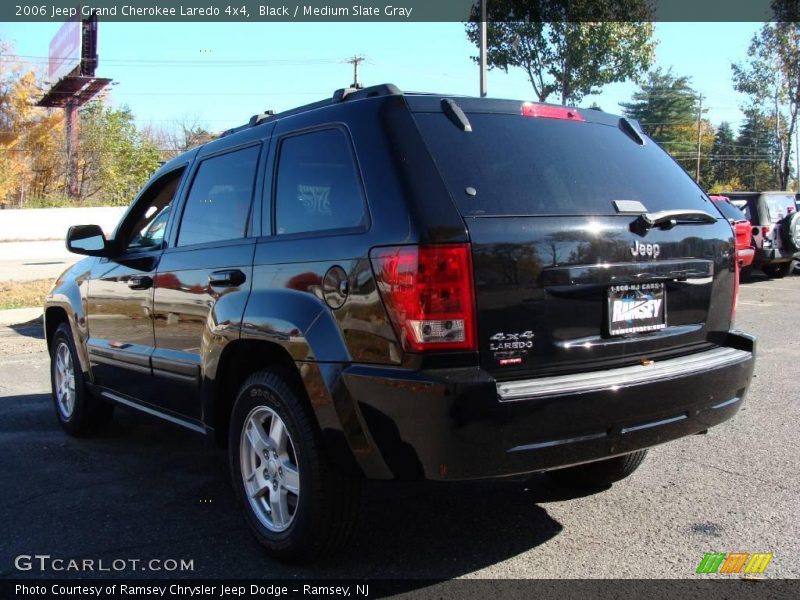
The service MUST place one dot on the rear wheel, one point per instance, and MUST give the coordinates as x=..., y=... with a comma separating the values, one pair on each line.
x=745, y=273
x=599, y=474
x=777, y=270
x=77, y=410
x=297, y=504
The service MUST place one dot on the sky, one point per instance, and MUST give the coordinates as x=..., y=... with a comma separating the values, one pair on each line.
x=219, y=74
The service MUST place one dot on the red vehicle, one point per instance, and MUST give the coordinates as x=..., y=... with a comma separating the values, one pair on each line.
x=741, y=227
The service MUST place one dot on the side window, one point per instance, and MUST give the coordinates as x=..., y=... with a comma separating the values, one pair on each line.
x=317, y=186
x=150, y=216
x=219, y=201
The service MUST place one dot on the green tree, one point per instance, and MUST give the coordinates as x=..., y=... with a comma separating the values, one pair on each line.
x=115, y=159
x=724, y=153
x=758, y=152
x=667, y=108
x=771, y=79
x=563, y=56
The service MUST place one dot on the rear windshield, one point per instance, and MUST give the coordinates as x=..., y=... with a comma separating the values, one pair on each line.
x=779, y=205
x=729, y=211
x=519, y=165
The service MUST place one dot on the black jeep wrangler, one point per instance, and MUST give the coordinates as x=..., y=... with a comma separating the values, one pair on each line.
x=407, y=286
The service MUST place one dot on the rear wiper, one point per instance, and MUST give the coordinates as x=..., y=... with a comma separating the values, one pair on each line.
x=667, y=219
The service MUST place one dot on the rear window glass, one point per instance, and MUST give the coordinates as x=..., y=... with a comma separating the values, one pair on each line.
x=318, y=187
x=778, y=206
x=729, y=211
x=536, y=166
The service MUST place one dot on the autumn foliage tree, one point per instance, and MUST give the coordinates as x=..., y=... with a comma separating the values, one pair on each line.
x=114, y=160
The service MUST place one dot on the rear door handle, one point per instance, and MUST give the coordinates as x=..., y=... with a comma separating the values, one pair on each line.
x=140, y=282
x=226, y=278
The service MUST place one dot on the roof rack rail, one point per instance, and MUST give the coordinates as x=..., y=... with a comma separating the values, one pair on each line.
x=254, y=120
x=351, y=93
x=354, y=93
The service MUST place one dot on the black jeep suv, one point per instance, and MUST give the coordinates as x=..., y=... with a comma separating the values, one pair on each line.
x=407, y=286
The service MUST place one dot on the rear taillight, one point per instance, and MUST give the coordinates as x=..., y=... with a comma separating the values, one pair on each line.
x=766, y=230
x=543, y=111
x=428, y=293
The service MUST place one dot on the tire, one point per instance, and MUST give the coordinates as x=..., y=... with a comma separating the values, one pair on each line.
x=78, y=412
x=777, y=270
x=600, y=474
x=297, y=504
x=791, y=231
x=746, y=273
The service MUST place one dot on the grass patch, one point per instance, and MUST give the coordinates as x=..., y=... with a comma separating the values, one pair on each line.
x=22, y=294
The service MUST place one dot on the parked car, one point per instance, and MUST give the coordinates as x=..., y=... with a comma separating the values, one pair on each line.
x=776, y=228
x=741, y=229
x=407, y=286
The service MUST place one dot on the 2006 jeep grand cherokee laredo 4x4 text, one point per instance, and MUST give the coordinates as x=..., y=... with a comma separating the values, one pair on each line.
x=407, y=286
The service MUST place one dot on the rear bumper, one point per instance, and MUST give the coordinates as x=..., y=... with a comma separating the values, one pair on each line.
x=461, y=424
x=745, y=256
x=771, y=255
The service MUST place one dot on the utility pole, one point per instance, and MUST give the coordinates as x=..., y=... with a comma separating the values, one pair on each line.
x=483, y=50
x=781, y=148
x=699, y=136
x=355, y=60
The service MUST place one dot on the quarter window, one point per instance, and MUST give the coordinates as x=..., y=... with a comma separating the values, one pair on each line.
x=318, y=187
x=218, y=205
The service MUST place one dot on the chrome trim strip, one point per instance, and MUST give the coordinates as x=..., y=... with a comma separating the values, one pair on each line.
x=612, y=379
x=733, y=400
x=154, y=412
x=539, y=445
x=653, y=424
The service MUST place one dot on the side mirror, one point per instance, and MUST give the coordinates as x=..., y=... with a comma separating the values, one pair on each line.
x=87, y=239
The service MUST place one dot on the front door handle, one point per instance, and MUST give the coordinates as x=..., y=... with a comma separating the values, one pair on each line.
x=226, y=278
x=140, y=282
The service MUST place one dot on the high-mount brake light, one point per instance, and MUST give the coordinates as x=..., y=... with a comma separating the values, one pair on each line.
x=428, y=293
x=529, y=109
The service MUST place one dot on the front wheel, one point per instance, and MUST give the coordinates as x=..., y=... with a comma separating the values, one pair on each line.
x=299, y=506
x=77, y=410
x=600, y=474
x=777, y=270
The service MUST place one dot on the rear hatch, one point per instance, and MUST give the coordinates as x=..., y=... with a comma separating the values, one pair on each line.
x=568, y=277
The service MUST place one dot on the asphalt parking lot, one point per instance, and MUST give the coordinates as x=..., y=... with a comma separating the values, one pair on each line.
x=147, y=490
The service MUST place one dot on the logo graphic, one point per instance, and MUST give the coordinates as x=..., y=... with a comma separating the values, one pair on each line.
x=636, y=308
x=734, y=562
x=640, y=249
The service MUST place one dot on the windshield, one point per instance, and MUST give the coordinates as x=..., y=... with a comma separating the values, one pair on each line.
x=515, y=165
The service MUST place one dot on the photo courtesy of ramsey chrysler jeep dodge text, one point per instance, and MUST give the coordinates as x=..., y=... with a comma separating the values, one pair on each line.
x=389, y=285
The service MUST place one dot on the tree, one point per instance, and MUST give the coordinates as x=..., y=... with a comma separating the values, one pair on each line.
x=612, y=42
x=771, y=79
x=724, y=153
x=115, y=158
x=31, y=161
x=758, y=150
x=667, y=108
